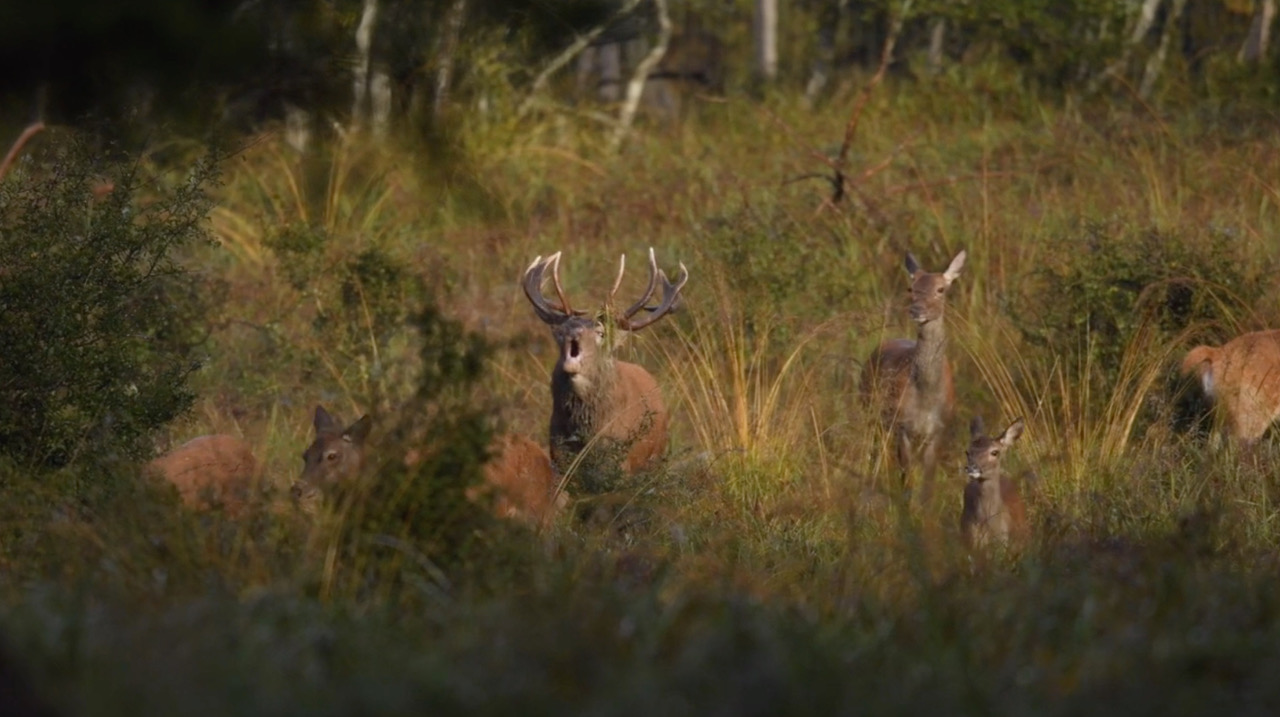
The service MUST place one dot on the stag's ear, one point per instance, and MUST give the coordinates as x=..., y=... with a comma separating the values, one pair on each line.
x=324, y=421
x=913, y=266
x=1012, y=432
x=975, y=428
x=358, y=431
x=953, y=271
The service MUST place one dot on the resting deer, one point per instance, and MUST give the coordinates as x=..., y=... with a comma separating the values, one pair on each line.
x=1242, y=379
x=209, y=471
x=993, y=508
x=911, y=380
x=518, y=473
x=594, y=395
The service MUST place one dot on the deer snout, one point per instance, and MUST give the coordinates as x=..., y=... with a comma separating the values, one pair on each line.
x=573, y=357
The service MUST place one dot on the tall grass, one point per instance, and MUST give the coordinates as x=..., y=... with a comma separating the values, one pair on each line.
x=773, y=567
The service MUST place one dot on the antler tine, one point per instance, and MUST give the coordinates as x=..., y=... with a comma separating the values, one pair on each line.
x=622, y=268
x=670, y=301
x=648, y=291
x=534, y=275
x=555, y=280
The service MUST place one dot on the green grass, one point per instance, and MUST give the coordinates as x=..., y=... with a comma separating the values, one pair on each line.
x=771, y=566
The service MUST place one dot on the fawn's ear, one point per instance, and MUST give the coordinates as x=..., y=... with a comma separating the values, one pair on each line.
x=953, y=271
x=1012, y=432
x=358, y=431
x=913, y=266
x=975, y=428
x=324, y=421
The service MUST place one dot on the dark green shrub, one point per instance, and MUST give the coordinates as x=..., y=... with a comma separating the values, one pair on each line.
x=100, y=321
x=1110, y=280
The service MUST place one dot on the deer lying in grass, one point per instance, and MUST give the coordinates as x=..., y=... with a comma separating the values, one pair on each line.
x=593, y=395
x=1242, y=379
x=210, y=471
x=518, y=474
x=911, y=380
x=993, y=508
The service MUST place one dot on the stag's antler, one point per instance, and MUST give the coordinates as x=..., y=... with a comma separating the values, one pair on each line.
x=670, y=295
x=534, y=276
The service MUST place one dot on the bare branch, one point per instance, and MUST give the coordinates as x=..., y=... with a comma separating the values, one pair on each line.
x=634, y=88
x=26, y=135
x=570, y=52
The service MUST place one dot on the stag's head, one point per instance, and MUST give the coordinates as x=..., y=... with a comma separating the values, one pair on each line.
x=984, y=452
x=929, y=290
x=583, y=339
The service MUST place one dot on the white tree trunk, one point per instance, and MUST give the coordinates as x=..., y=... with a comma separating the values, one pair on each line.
x=1155, y=63
x=635, y=87
x=1255, y=45
x=448, y=53
x=364, y=52
x=937, y=44
x=767, y=39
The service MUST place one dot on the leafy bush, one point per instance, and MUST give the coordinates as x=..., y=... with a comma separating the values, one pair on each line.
x=100, y=320
x=1114, y=280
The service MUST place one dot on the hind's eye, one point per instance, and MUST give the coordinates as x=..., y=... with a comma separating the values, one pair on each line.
x=331, y=456
x=941, y=290
x=995, y=454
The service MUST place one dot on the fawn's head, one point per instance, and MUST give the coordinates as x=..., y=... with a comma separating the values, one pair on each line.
x=336, y=455
x=584, y=351
x=929, y=290
x=984, y=452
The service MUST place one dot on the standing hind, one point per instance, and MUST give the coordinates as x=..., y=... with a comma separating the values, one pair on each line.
x=910, y=381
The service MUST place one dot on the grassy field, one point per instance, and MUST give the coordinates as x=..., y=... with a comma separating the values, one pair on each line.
x=771, y=565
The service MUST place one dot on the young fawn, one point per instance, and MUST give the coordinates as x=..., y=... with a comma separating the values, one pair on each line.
x=910, y=381
x=518, y=473
x=594, y=395
x=209, y=471
x=1242, y=379
x=993, y=508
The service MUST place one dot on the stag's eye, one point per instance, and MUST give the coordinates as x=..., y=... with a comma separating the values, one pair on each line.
x=331, y=456
x=942, y=290
x=995, y=453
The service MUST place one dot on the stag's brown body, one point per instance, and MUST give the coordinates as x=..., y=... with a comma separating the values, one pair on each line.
x=215, y=470
x=910, y=382
x=994, y=512
x=596, y=399
x=1242, y=379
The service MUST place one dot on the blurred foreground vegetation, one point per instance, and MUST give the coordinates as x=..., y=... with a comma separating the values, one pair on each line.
x=771, y=565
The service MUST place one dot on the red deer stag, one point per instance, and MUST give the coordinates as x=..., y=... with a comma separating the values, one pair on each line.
x=209, y=471
x=518, y=473
x=593, y=395
x=911, y=380
x=1242, y=379
x=993, y=509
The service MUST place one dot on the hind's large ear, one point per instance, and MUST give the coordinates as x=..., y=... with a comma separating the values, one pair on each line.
x=1012, y=432
x=975, y=428
x=324, y=421
x=953, y=271
x=913, y=266
x=358, y=431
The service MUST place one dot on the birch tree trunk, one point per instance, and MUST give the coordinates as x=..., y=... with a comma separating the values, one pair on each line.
x=1255, y=45
x=1155, y=63
x=635, y=87
x=448, y=55
x=937, y=44
x=767, y=39
x=364, y=47
x=828, y=32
